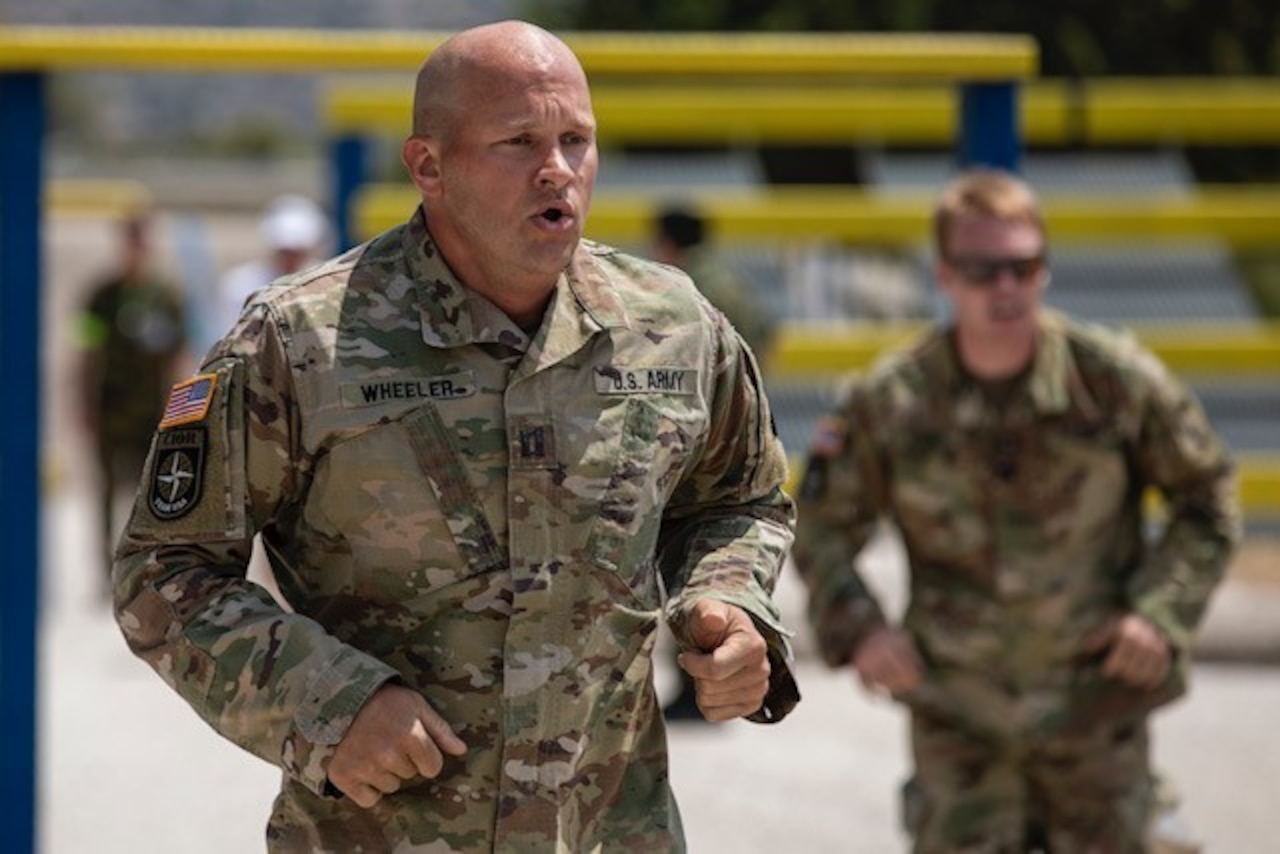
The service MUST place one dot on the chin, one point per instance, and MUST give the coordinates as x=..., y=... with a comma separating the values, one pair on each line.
x=556, y=258
x=1010, y=314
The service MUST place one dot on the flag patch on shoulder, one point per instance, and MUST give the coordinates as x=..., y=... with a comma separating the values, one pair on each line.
x=189, y=401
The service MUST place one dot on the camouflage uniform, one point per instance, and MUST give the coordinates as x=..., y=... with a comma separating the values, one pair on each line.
x=1022, y=519
x=487, y=517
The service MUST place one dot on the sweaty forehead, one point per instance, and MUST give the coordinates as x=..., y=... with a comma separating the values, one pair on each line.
x=509, y=95
x=979, y=231
x=505, y=62
x=536, y=67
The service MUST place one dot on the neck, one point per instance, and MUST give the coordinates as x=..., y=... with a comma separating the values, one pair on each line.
x=522, y=298
x=522, y=295
x=989, y=357
x=524, y=312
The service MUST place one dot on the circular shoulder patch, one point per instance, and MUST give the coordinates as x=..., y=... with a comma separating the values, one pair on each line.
x=177, y=472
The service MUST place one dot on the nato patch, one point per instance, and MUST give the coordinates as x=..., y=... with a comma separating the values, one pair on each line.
x=178, y=473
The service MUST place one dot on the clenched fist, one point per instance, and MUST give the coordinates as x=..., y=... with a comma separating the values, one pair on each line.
x=732, y=670
x=395, y=737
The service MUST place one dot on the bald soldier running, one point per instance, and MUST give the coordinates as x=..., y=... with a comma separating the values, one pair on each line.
x=486, y=457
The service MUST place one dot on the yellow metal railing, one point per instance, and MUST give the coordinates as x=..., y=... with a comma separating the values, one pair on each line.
x=1258, y=484
x=1239, y=216
x=1211, y=349
x=1095, y=111
x=928, y=56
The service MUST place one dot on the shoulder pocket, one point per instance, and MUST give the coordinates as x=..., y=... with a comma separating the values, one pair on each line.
x=194, y=484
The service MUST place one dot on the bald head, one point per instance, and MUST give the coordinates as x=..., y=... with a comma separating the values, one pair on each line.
x=480, y=59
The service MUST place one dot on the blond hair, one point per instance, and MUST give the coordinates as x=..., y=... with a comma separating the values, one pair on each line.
x=987, y=192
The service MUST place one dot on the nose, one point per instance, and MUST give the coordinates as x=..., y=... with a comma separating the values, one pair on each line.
x=555, y=171
x=1006, y=279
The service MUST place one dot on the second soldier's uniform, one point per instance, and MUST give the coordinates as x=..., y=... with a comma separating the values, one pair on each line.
x=486, y=515
x=1021, y=508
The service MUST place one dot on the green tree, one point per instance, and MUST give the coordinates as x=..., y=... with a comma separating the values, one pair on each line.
x=1083, y=37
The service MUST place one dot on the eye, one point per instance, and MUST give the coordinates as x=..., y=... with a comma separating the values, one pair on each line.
x=575, y=139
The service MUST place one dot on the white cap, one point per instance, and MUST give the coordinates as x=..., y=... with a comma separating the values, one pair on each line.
x=292, y=222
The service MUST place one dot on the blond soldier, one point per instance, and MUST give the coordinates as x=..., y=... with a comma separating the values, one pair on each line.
x=478, y=450
x=1012, y=449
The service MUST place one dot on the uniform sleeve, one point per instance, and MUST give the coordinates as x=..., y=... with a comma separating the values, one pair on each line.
x=842, y=496
x=1180, y=456
x=729, y=525
x=223, y=464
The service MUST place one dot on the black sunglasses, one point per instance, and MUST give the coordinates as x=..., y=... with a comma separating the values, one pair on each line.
x=985, y=271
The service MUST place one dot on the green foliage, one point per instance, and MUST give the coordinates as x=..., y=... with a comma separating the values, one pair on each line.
x=1083, y=37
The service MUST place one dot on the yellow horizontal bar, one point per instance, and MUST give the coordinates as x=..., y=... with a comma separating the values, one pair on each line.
x=1240, y=216
x=1258, y=483
x=210, y=49
x=368, y=109
x=944, y=56
x=1209, y=349
x=736, y=215
x=1259, y=489
x=95, y=196
x=1124, y=111
x=917, y=114
x=1100, y=111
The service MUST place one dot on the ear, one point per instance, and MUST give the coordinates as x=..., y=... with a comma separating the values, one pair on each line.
x=942, y=275
x=947, y=285
x=419, y=154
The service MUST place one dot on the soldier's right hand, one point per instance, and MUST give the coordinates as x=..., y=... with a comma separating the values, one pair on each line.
x=887, y=661
x=395, y=736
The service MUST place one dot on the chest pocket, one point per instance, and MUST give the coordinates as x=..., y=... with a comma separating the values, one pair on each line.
x=650, y=450
x=400, y=497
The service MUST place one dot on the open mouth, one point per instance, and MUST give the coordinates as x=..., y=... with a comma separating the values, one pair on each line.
x=558, y=213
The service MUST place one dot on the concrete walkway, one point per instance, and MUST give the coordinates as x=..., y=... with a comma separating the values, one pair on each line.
x=127, y=768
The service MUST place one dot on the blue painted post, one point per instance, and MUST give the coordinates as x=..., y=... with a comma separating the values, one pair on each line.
x=22, y=106
x=989, y=131
x=348, y=154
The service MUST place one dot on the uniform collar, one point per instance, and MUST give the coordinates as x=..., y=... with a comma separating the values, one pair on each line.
x=1047, y=385
x=453, y=315
x=1049, y=388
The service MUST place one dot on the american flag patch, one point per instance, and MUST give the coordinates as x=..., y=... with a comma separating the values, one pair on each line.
x=189, y=401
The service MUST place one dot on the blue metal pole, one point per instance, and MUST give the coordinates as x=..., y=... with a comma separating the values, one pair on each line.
x=347, y=155
x=989, y=131
x=22, y=106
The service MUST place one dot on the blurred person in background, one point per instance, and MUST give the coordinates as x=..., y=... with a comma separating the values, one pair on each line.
x=1012, y=448
x=132, y=345
x=293, y=231
x=479, y=450
x=681, y=240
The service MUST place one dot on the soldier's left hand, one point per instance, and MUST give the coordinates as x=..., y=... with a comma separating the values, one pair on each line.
x=1138, y=653
x=732, y=671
